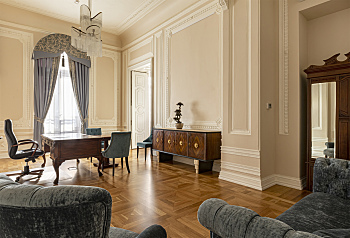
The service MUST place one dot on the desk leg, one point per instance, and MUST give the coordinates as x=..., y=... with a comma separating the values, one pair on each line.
x=56, y=164
x=44, y=158
x=100, y=161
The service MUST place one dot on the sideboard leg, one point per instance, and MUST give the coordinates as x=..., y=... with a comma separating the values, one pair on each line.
x=202, y=166
x=165, y=157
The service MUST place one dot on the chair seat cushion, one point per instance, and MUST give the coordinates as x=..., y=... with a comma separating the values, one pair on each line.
x=318, y=211
x=334, y=233
x=115, y=232
x=26, y=153
x=144, y=144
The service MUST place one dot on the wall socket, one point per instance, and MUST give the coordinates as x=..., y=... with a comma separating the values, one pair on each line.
x=268, y=106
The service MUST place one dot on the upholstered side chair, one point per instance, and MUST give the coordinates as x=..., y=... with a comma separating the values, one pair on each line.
x=119, y=147
x=147, y=143
x=95, y=132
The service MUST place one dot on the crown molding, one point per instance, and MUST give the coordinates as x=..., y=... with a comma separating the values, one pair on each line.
x=145, y=8
x=163, y=25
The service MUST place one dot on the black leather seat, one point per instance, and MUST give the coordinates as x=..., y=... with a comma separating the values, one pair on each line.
x=28, y=154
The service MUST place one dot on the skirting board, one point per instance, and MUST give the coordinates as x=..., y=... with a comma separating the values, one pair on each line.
x=250, y=177
x=277, y=179
x=216, y=165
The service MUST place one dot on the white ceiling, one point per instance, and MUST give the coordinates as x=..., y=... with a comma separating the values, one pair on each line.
x=118, y=15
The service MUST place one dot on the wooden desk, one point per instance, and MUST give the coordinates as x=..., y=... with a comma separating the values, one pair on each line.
x=69, y=146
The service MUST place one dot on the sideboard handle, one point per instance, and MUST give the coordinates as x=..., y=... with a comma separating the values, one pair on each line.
x=180, y=142
x=196, y=145
x=169, y=141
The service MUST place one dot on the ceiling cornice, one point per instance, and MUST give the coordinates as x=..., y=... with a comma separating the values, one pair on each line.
x=39, y=11
x=146, y=7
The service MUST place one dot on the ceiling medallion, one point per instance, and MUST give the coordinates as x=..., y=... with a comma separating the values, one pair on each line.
x=88, y=37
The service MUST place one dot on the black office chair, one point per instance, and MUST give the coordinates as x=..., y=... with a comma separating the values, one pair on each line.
x=147, y=143
x=31, y=154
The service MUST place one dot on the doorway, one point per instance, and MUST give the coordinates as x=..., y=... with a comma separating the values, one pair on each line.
x=141, y=103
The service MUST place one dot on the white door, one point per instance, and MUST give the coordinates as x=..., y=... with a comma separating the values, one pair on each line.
x=140, y=107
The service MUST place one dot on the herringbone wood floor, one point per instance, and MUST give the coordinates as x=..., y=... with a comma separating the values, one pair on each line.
x=168, y=194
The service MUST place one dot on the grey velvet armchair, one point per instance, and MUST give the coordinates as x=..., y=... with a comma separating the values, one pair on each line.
x=119, y=147
x=60, y=211
x=324, y=213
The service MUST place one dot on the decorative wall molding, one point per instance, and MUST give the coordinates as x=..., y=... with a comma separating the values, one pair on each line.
x=164, y=24
x=232, y=126
x=223, y=4
x=240, y=152
x=178, y=26
x=111, y=47
x=141, y=58
x=24, y=125
x=23, y=27
x=283, y=69
x=158, y=79
x=291, y=182
x=26, y=121
x=95, y=121
x=241, y=174
x=145, y=8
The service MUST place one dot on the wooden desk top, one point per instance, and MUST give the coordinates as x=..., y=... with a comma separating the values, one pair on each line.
x=73, y=136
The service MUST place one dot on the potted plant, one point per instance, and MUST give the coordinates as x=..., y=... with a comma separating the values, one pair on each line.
x=178, y=115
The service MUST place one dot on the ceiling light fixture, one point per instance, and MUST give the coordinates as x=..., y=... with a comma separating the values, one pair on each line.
x=88, y=37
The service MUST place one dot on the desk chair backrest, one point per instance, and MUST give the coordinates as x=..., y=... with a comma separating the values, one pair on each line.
x=119, y=146
x=94, y=131
x=11, y=138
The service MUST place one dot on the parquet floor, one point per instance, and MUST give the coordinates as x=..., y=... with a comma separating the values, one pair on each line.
x=168, y=194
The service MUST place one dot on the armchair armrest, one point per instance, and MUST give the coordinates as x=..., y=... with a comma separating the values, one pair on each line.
x=28, y=141
x=229, y=221
x=332, y=176
x=154, y=231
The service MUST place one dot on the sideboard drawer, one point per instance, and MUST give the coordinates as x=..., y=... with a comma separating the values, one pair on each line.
x=196, y=145
x=158, y=139
x=169, y=141
x=181, y=143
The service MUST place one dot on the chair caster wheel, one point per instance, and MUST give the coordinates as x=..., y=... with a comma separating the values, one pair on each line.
x=100, y=173
x=17, y=180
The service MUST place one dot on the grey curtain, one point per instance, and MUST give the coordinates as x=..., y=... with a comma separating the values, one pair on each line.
x=45, y=77
x=80, y=80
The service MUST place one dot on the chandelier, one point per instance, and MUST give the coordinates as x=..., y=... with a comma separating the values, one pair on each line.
x=88, y=37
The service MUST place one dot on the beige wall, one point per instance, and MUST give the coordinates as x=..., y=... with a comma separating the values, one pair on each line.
x=19, y=32
x=194, y=71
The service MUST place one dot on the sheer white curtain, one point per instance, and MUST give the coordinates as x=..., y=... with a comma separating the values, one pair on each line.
x=63, y=115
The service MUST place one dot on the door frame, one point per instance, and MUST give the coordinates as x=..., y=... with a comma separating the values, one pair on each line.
x=129, y=90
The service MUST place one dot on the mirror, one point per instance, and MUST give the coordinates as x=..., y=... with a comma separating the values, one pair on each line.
x=323, y=117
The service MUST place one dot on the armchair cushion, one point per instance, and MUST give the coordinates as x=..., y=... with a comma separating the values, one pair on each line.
x=332, y=176
x=318, y=211
x=334, y=233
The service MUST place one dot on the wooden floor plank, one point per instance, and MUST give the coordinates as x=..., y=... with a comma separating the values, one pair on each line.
x=168, y=194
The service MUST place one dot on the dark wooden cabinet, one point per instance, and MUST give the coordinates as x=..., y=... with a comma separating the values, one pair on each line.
x=337, y=72
x=169, y=141
x=158, y=139
x=181, y=143
x=196, y=148
x=203, y=146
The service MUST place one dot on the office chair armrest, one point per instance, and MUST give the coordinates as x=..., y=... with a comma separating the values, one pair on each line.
x=26, y=142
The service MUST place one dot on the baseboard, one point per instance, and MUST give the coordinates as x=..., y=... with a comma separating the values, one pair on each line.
x=216, y=165
x=241, y=174
x=277, y=179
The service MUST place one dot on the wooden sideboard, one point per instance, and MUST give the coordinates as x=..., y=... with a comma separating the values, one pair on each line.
x=200, y=145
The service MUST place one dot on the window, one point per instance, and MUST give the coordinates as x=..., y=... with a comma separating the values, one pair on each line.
x=63, y=115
